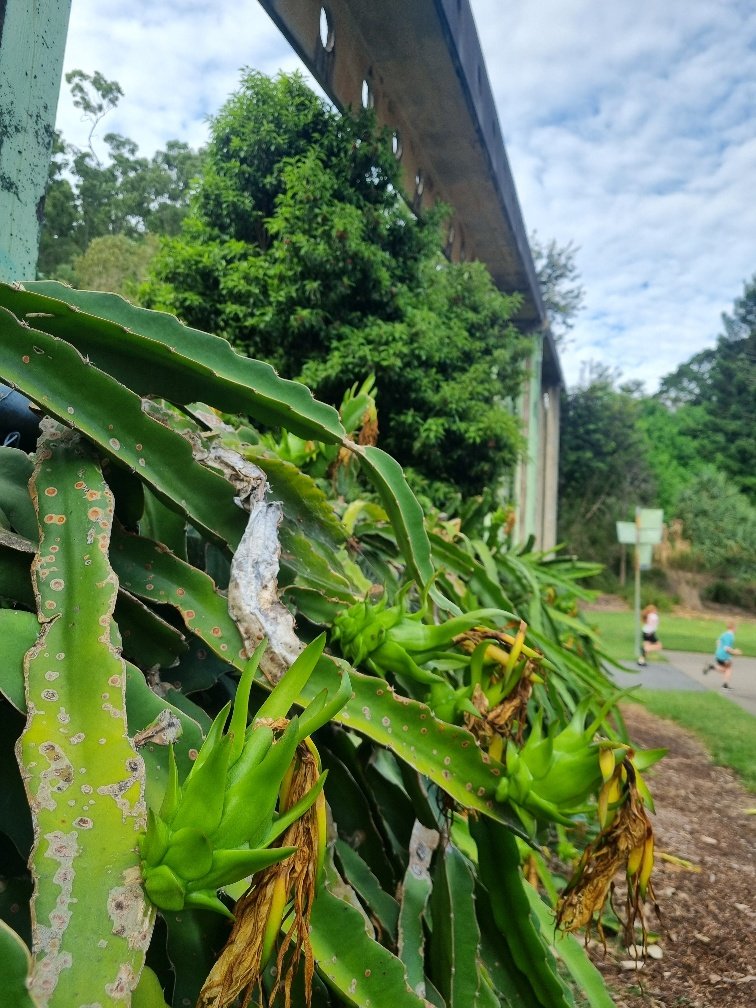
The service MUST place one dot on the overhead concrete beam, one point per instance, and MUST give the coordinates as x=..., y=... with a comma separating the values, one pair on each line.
x=420, y=65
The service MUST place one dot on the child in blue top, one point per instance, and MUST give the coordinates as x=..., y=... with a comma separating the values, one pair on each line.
x=724, y=654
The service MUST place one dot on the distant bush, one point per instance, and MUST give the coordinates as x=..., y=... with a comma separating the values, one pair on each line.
x=734, y=592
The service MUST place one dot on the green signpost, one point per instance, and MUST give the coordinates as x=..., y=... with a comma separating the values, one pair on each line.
x=644, y=533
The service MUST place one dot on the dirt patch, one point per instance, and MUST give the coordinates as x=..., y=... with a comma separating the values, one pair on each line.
x=708, y=942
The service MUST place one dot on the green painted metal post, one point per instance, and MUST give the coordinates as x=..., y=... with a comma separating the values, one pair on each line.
x=32, y=44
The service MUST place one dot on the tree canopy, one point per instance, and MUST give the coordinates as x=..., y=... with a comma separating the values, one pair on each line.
x=559, y=278
x=120, y=194
x=299, y=250
x=689, y=449
x=604, y=471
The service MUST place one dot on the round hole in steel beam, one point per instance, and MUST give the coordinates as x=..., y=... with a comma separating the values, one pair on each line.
x=396, y=145
x=327, y=37
x=368, y=101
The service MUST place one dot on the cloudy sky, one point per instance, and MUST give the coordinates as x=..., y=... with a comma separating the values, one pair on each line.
x=630, y=130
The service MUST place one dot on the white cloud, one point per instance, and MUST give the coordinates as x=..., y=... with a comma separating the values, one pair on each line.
x=629, y=129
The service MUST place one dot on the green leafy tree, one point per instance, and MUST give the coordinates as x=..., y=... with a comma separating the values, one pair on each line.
x=91, y=197
x=115, y=263
x=299, y=250
x=720, y=522
x=672, y=448
x=715, y=392
x=563, y=294
x=604, y=469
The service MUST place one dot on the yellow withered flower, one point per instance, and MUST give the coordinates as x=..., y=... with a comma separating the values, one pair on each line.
x=626, y=839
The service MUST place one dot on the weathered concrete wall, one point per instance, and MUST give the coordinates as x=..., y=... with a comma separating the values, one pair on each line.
x=32, y=43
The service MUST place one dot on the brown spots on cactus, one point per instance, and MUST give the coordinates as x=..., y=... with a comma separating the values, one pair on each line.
x=124, y=983
x=94, y=514
x=57, y=584
x=129, y=911
x=115, y=444
x=54, y=519
x=83, y=822
x=93, y=495
x=50, y=491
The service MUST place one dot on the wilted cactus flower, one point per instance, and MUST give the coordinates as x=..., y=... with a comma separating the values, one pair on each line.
x=218, y=827
x=391, y=639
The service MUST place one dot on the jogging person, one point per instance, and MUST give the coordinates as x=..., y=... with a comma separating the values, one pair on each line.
x=724, y=654
x=650, y=624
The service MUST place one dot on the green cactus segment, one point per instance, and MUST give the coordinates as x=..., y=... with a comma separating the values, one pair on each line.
x=83, y=777
x=570, y=951
x=356, y=967
x=383, y=907
x=55, y=375
x=18, y=632
x=447, y=754
x=415, y=892
x=15, y=503
x=499, y=864
x=155, y=724
x=482, y=589
x=154, y=354
x=403, y=509
x=15, y=580
x=147, y=639
x=16, y=966
x=456, y=936
x=149, y=571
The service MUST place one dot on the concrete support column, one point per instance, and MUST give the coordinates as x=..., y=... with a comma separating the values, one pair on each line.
x=550, y=462
x=32, y=44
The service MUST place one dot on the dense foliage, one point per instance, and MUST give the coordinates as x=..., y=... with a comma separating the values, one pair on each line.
x=689, y=449
x=559, y=278
x=299, y=250
x=169, y=764
x=604, y=470
x=119, y=201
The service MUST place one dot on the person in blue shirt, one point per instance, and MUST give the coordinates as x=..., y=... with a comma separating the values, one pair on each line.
x=724, y=654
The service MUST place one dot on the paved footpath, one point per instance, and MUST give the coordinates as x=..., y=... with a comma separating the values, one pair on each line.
x=683, y=670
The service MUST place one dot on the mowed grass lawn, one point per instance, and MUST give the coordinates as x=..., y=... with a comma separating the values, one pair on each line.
x=677, y=633
x=728, y=732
